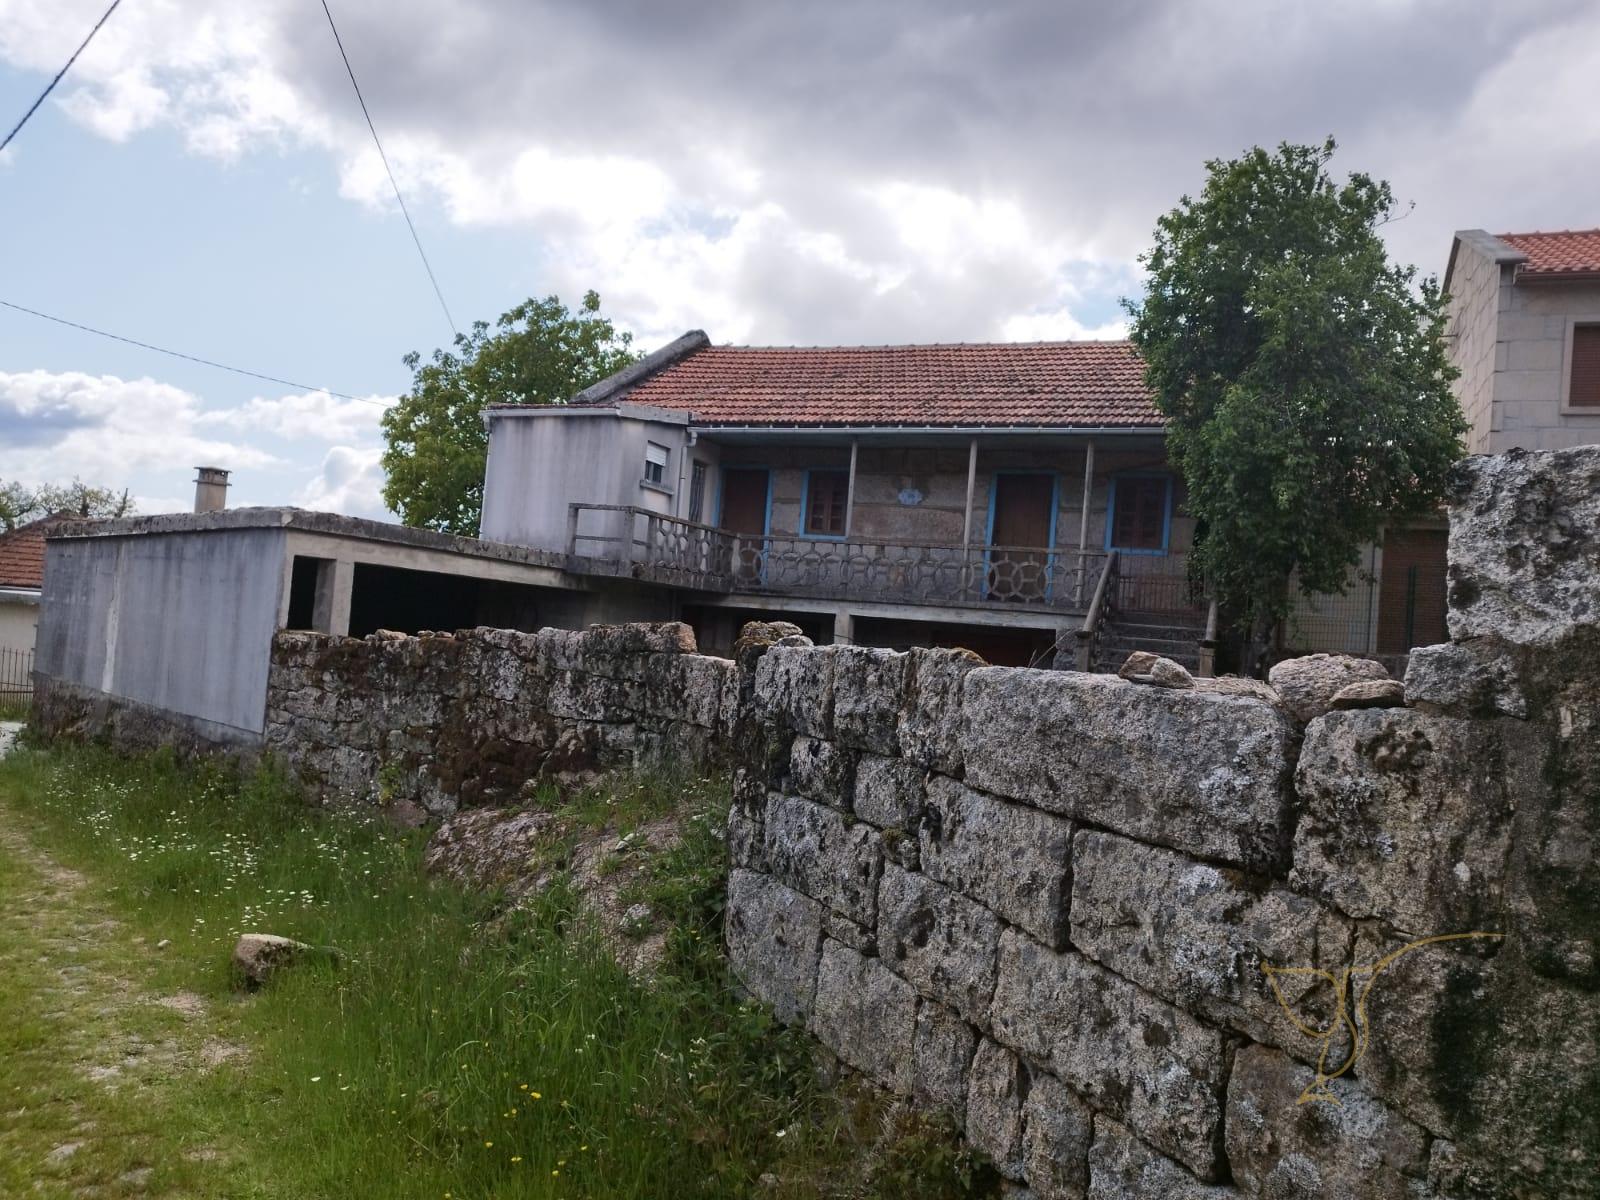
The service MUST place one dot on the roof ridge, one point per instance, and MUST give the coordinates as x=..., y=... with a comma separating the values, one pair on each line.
x=1593, y=230
x=935, y=345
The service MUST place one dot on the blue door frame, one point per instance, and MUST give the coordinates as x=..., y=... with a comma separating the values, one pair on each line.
x=1055, y=513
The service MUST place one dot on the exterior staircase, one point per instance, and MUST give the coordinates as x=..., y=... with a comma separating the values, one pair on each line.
x=1172, y=635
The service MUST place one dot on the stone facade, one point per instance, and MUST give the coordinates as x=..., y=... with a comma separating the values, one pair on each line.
x=1081, y=880
x=1511, y=339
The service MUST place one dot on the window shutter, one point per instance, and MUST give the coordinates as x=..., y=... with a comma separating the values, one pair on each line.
x=1584, y=389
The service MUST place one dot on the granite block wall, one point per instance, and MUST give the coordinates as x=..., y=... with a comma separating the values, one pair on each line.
x=1047, y=903
x=444, y=720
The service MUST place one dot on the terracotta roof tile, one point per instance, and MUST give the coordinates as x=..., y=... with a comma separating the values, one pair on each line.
x=1052, y=384
x=22, y=553
x=1567, y=252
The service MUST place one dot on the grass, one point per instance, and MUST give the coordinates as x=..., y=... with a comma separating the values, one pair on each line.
x=456, y=1049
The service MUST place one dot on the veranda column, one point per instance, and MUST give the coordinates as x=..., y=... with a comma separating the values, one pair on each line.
x=849, y=490
x=1083, y=516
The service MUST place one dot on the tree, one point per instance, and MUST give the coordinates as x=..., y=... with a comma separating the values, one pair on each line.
x=538, y=353
x=20, y=503
x=1303, y=377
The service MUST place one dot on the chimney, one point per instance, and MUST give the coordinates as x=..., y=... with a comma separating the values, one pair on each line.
x=210, y=489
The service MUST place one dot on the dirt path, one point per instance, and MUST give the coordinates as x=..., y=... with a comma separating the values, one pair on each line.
x=98, y=1063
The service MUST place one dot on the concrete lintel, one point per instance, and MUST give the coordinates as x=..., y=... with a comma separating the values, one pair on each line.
x=442, y=561
x=937, y=614
x=306, y=521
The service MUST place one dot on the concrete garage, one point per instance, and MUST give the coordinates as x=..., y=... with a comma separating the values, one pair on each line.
x=174, y=615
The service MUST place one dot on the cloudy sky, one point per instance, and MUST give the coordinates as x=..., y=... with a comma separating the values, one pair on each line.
x=800, y=173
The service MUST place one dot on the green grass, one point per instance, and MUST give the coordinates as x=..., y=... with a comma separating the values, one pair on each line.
x=456, y=1048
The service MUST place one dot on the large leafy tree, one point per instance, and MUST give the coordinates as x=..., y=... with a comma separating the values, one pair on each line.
x=537, y=353
x=20, y=503
x=1303, y=376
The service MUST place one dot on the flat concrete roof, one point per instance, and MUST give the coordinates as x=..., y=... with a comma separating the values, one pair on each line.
x=305, y=521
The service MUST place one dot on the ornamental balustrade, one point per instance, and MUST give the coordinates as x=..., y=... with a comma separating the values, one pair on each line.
x=638, y=543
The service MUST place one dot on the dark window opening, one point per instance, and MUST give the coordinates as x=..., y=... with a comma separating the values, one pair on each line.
x=1139, y=512
x=408, y=601
x=827, y=494
x=1583, y=390
x=303, y=579
x=697, y=492
x=997, y=645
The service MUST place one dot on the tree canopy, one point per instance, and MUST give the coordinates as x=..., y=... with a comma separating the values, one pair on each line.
x=1303, y=376
x=537, y=353
x=20, y=503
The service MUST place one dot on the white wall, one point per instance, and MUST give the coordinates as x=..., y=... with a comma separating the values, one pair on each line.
x=17, y=621
x=541, y=463
x=181, y=621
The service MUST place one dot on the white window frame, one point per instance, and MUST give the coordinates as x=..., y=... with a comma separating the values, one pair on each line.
x=1568, y=408
x=658, y=457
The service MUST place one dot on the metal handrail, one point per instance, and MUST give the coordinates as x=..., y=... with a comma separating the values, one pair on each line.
x=1098, y=608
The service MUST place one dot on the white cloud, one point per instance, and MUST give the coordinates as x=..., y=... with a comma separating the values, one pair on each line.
x=308, y=416
x=350, y=481
x=54, y=426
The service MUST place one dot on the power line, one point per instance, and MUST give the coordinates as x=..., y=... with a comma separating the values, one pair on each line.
x=426, y=266
x=205, y=362
x=51, y=86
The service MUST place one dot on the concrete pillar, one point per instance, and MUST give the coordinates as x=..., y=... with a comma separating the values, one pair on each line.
x=844, y=628
x=849, y=490
x=335, y=583
x=972, y=486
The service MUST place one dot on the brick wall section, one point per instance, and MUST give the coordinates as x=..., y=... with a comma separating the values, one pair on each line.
x=471, y=718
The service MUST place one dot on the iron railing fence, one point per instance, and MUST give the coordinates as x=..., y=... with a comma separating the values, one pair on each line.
x=16, y=682
x=624, y=540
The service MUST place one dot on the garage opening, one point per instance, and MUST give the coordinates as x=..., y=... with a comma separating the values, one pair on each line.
x=409, y=601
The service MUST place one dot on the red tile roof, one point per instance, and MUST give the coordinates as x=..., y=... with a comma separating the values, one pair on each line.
x=22, y=553
x=1050, y=384
x=1567, y=252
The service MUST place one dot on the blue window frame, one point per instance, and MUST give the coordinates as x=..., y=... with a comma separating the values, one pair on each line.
x=829, y=489
x=1139, y=512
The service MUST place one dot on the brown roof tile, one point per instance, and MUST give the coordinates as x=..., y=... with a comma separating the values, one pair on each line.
x=1565, y=252
x=1050, y=384
x=22, y=553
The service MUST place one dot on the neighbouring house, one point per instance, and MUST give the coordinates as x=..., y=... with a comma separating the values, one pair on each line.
x=1525, y=333
x=22, y=555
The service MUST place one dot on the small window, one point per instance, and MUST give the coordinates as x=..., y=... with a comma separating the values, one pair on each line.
x=827, y=494
x=655, y=464
x=1139, y=511
x=697, y=491
x=1583, y=390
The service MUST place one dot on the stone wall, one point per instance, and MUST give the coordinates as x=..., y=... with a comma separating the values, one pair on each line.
x=441, y=720
x=1044, y=901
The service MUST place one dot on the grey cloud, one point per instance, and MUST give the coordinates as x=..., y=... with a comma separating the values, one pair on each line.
x=1091, y=117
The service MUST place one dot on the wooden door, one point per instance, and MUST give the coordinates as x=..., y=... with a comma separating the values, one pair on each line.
x=1411, y=595
x=1020, y=516
x=745, y=493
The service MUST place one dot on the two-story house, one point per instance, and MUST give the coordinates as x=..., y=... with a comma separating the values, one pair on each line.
x=979, y=495
x=889, y=495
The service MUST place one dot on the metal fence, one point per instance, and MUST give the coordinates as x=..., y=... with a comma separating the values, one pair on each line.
x=16, y=682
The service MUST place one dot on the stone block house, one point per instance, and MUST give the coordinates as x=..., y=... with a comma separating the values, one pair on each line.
x=1002, y=497
x=1525, y=333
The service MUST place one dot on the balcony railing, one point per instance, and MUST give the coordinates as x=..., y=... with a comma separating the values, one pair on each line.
x=634, y=542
